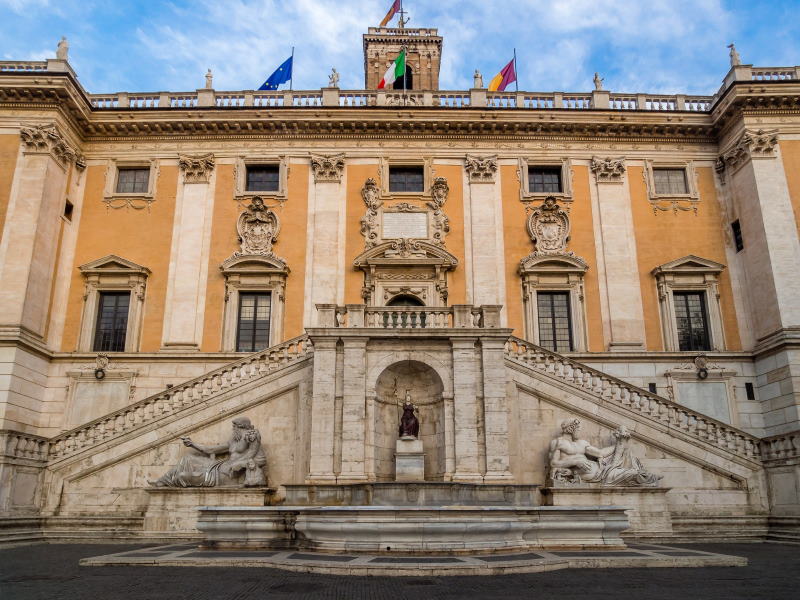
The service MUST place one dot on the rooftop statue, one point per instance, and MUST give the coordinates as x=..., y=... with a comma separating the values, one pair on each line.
x=576, y=461
x=209, y=80
x=246, y=457
x=477, y=80
x=63, y=49
x=409, y=424
x=598, y=82
x=333, y=78
x=736, y=60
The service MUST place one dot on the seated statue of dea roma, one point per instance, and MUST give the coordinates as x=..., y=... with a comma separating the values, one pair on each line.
x=244, y=451
x=575, y=461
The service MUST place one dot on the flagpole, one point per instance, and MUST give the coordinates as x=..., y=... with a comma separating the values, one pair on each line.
x=516, y=73
x=291, y=80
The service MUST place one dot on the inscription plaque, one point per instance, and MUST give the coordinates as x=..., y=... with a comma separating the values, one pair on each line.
x=405, y=225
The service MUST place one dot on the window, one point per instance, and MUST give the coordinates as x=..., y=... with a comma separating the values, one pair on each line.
x=408, y=83
x=670, y=181
x=544, y=180
x=252, y=332
x=751, y=393
x=737, y=235
x=68, y=208
x=555, y=327
x=651, y=387
x=133, y=180
x=691, y=320
x=263, y=178
x=112, y=322
x=407, y=179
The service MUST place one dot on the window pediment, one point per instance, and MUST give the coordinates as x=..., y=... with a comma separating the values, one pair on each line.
x=553, y=264
x=406, y=252
x=690, y=264
x=244, y=264
x=113, y=264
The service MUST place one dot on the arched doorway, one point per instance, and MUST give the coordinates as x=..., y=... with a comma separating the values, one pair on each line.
x=406, y=82
x=425, y=388
x=405, y=300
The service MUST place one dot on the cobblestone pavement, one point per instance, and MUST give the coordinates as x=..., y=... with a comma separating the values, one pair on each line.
x=51, y=572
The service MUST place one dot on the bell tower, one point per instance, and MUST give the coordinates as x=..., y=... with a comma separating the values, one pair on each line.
x=382, y=45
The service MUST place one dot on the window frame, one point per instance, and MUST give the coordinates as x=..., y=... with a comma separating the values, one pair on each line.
x=426, y=163
x=240, y=296
x=570, y=327
x=690, y=274
x=242, y=165
x=420, y=169
x=112, y=274
x=704, y=318
x=555, y=274
x=248, y=171
x=686, y=201
x=524, y=170
x=98, y=318
x=113, y=169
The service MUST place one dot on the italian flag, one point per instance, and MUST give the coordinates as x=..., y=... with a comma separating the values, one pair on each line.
x=396, y=70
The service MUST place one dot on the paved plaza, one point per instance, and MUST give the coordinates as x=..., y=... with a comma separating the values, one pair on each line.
x=52, y=571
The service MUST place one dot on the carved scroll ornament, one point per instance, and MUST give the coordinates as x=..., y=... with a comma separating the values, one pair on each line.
x=752, y=144
x=481, y=169
x=608, y=170
x=549, y=226
x=327, y=168
x=196, y=169
x=441, y=224
x=369, y=222
x=47, y=138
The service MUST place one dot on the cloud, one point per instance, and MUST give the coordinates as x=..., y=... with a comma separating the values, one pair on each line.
x=669, y=46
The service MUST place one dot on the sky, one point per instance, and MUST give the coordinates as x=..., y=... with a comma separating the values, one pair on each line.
x=660, y=46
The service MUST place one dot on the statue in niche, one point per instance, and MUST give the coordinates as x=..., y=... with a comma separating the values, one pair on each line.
x=244, y=465
x=409, y=424
x=575, y=461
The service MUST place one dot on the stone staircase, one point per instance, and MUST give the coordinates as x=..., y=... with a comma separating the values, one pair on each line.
x=675, y=417
x=179, y=398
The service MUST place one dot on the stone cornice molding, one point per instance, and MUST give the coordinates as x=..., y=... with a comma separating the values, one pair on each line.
x=608, y=170
x=46, y=138
x=196, y=169
x=327, y=168
x=481, y=169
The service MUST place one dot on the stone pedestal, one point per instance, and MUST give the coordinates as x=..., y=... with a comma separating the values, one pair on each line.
x=409, y=460
x=646, y=507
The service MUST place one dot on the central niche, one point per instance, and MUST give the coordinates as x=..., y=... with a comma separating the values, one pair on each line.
x=425, y=387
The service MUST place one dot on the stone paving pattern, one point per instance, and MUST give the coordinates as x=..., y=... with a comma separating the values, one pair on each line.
x=39, y=572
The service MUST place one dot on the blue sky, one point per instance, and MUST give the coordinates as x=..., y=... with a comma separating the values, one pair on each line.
x=662, y=46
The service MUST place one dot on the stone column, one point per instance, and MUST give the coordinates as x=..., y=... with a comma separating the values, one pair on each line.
x=495, y=407
x=354, y=409
x=323, y=411
x=188, y=266
x=449, y=439
x=485, y=228
x=325, y=257
x=617, y=243
x=465, y=410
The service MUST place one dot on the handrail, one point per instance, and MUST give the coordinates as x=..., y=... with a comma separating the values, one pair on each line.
x=634, y=398
x=781, y=447
x=180, y=396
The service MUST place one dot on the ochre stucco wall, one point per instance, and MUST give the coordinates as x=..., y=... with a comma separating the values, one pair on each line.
x=142, y=236
x=666, y=236
x=9, y=150
x=790, y=152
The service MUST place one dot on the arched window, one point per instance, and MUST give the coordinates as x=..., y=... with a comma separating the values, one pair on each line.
x=405, y=300
x=409, y=80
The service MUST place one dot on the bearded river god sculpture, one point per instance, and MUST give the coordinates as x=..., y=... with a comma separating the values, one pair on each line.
x=574, y=461
x=244, y=465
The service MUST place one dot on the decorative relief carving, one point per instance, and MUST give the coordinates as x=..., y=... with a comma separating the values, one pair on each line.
x=47, y=138
x=608, y=170
x=440, y=222
x=196, y=169
x=258, y=229
x=327, y=168
x=752, y=144
x=481, y=169
x=549, y=228
x=369, y=222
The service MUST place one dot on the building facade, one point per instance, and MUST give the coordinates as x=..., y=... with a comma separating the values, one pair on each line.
x=169, y=260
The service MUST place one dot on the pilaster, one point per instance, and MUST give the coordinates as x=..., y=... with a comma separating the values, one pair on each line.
x=323, y=411
x=618, y=246
x=465, y=410
x=188, y=268
x=495, y=408
x=354, y=409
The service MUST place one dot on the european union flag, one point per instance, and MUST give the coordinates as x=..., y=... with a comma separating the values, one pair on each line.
x=281, y=75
